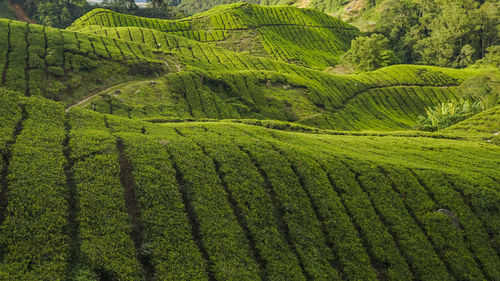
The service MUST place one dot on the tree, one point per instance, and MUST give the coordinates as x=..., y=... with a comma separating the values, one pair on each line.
x=492, y=56
x=158, y=9
x=121, y=6
x=460, y=33
x=59, y=14
x=441, y=32
x=397, y=23
x=369, y=53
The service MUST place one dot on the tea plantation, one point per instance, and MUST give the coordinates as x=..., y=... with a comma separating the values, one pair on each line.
x=216, y=148
x=285, y=33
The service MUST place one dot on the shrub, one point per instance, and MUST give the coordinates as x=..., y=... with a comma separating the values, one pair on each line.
x=369, y=53
x=447, y=114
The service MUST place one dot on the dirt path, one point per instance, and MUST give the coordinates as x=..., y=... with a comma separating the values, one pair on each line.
x=179, y=69
x=304, y=3
x=89, y=97
x=20, y=14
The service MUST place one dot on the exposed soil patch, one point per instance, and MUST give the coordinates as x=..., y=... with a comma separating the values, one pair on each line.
x=73, y=208
x=20, y=14
x=303, y=3
x=137, y=233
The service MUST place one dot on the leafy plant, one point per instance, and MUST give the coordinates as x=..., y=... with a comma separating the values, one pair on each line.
x=369, y=53
x=447, y=114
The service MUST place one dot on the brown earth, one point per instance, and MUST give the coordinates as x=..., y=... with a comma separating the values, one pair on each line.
x=303, y=3
x=20, y=14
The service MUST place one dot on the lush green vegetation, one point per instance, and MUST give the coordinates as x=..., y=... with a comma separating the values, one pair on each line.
x=5, y=11
x=445, y=33
x=216, y=148
x=306, y=37
x=63, y=65
x=391, y=98
x=33, y=232
x=308, y=206
x=369, y=53
x=61, y=14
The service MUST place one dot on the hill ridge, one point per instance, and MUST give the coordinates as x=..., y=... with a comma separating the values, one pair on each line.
x=196, y=159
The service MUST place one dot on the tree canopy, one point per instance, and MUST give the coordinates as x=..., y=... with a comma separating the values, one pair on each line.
x=369, y=53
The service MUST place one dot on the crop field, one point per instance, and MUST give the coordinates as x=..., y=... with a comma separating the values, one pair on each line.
x=281, y=205
x=284, y=33
x=387, y=99
x=484, y=126
x=38, y=60
x=208, y=81
x=145, y=149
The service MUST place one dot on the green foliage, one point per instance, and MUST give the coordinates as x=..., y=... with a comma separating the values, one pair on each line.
x=5, y=11
x=55, y=14
x=447, y=114
x=476, y=94
x=10, y=115
x=304, y=37
x=244, y=202
x=225, y=243
x=63, y=65
x=33, y=235
x=484, y=126
x=58, y=14
x=107, y=251
x=171, y=247
x=446, y=33
x=492, y=56
x=369, y=53
x=237, y=175
x=481, y=89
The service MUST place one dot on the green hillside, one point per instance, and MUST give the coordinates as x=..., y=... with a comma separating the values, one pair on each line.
x=303, y=36
x=217, y=148
x=484, y=126
x=327, y=6
x=65, y=66
x=150, y=183
x=387, y=99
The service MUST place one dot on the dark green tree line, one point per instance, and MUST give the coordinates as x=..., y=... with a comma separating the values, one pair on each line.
x=441, y=32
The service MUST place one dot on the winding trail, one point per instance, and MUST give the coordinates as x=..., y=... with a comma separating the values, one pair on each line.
x=93, y=94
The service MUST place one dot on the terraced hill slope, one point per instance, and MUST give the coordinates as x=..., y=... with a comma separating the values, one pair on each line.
x=195, y=160
x=65, y=66
x=327, y=6
x=388, y=99
x=303, y=36
x=484, y=126
x=207, y=81
x=115, y=199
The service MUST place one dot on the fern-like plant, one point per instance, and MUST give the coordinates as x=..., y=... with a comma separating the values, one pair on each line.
x=447, y=114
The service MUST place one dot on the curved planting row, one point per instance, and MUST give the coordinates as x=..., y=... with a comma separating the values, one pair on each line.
x=224, y=17
x=35, y=60
x=375, y=101
x=387, y=108
x=389, y=98
x=305, y=37
x=33, y=237
x=131, y=200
